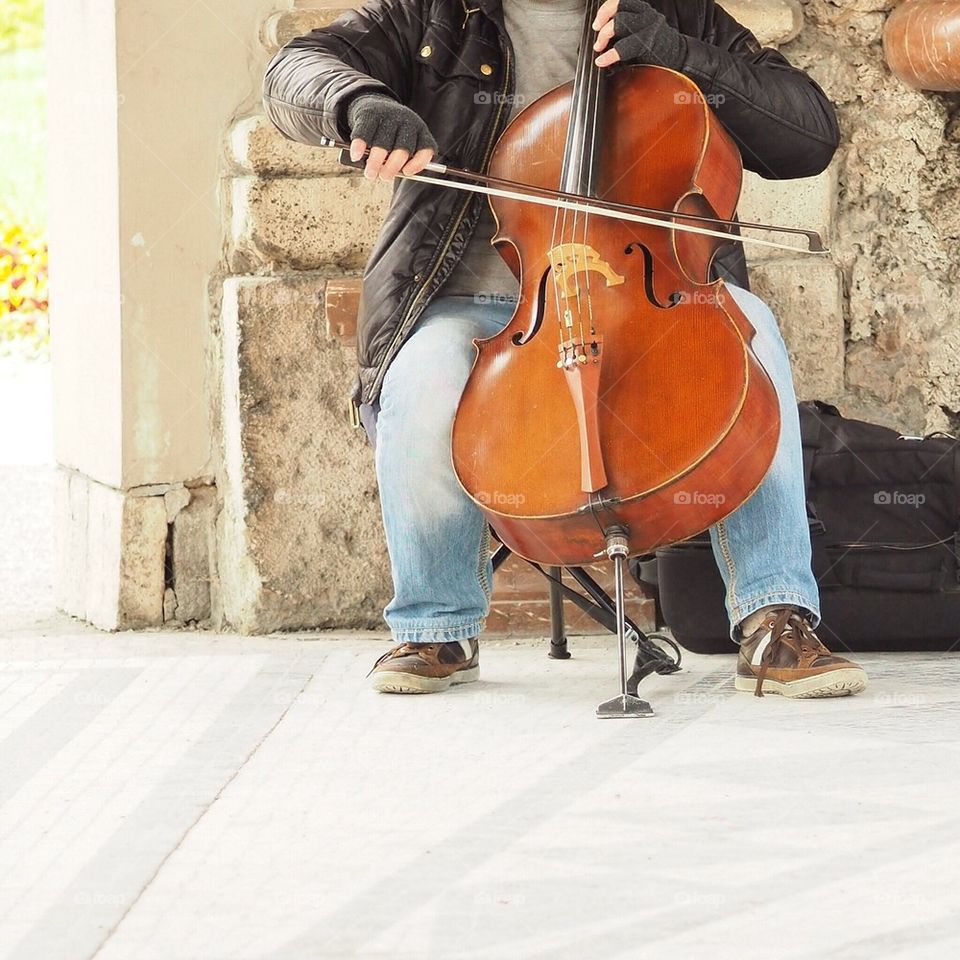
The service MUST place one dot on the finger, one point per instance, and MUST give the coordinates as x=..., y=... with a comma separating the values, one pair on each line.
x=394, y=162
x=357, y=148
x=374, y=162
x=418, y=161
x=604, y=36
x=606, y=12
x=607, y=59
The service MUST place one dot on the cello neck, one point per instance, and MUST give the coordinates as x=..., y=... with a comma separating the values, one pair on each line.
x=586, y=113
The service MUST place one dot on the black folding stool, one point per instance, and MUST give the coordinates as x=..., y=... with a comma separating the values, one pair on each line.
x=598, y=605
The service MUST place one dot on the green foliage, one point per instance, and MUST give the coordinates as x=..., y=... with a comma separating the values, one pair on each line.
x=24, y=319
x=23, y=135
x=21, y=24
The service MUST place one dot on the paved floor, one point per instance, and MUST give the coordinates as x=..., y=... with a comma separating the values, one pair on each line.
x=188, y=797
x=180, y=796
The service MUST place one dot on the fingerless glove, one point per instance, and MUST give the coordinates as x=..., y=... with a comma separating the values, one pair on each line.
x=383, y=122
x=644, y=36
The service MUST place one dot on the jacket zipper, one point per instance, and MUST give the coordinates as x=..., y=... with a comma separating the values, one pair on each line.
x=491, y=142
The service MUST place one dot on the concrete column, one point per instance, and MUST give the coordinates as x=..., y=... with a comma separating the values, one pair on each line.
x=141, y=95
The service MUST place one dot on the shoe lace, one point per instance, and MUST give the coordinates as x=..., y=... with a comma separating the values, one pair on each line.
x=790, y=629
x=402, y=650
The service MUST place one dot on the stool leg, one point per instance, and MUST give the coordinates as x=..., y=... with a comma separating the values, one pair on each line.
x=558, y=636
x=624, y=705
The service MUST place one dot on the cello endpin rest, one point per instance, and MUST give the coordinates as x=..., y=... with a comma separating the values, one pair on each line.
x=623, y=706
x=626, y=704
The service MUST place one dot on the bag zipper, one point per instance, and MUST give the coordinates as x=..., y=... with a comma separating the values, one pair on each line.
x=491, y=142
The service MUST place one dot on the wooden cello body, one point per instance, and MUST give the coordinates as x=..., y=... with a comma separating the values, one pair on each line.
x=624, y=393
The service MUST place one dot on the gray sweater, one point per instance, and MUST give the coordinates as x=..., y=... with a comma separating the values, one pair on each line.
x=545, y=36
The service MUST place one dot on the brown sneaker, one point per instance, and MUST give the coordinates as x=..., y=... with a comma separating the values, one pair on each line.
x=783, y=655
x=426, y=667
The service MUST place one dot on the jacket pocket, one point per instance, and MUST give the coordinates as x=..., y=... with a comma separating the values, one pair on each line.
x=447, y=53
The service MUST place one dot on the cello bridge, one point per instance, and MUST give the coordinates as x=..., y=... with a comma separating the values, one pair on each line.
x=568, y=260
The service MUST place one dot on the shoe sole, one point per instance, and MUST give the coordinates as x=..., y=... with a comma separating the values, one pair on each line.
x=395, y=682
x=836, y=683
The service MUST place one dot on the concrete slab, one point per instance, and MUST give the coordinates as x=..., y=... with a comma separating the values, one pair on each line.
x=198, y=797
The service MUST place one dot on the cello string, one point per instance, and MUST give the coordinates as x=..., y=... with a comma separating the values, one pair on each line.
x=595, y=72
x=580, y=108
x=554, y=243
x=582, y=183
x=558, y=242
x=577, y=148
x=553, y=272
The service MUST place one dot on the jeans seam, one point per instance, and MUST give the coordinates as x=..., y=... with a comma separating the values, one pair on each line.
x=482, y=558
x=467, y=630
x=758, y=600
x=728, y=559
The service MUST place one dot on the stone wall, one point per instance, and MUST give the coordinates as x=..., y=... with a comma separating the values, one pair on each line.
x=871, y=327
x=897, y=222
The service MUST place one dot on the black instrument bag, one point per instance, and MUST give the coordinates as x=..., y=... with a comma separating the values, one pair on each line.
x=884, y=513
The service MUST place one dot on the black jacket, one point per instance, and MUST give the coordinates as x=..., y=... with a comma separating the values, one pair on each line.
x=450, y=68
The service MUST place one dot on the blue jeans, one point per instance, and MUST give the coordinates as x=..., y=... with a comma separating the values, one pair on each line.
x=438, y=539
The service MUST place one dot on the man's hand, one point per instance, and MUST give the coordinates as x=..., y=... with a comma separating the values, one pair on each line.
x=642, y=34
x=399, y=140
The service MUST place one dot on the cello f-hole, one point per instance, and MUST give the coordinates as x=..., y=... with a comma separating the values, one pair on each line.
x=674, y=298
x=525, y=336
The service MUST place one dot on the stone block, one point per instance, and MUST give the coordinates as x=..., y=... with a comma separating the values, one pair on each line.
x=772, y=22
x=341, y=305
x=175, y=499
x=194, y=554
x=169, y=605
x=305, y=224
x=143, y=539
x=809, y=203
x=300, y=543
x=807, y=299
x=111, y=547
x=258, y=147
x=287, y=24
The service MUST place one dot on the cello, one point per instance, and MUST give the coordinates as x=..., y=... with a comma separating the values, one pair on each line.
x=622, y=407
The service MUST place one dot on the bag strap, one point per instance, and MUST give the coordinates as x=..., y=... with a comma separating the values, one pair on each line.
x=811, y=414
x=811, y=426
x=956, y=535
